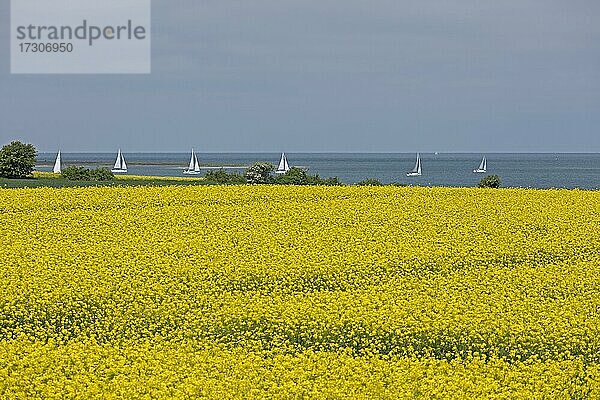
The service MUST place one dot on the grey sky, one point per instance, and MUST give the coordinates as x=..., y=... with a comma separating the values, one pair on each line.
x=380, y=75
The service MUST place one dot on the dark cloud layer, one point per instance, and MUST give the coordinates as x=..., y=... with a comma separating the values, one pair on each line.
x=516, y=75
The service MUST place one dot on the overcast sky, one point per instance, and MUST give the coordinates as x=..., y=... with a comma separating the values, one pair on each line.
x=325, y=75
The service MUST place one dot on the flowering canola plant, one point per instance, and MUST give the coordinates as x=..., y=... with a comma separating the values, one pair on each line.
x=299, y=292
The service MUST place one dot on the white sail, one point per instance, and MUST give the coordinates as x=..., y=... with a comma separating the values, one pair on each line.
x=123, y=164
x=196, y=164
x=118, y=162
x=283, y=165
x=191, y=166
x=482, y=167
x=57, y=164
x=194, y=167
x=416, y=171
x=417, y=168
x=120, y=165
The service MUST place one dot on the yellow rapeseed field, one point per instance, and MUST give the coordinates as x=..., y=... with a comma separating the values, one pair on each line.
x=299, y=292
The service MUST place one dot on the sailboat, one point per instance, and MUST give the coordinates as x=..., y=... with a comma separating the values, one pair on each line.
x=417, y=169
x=120, y=165
x=57, y=164
x=283, y=165
x=482, y=167
x=194, y=167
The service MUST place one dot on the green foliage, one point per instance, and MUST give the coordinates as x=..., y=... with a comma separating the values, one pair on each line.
x=75, y=173
x=377, y=182
x=259, y=173
x=369, y=182
x=223, y=178
x=101, y=175
x=294, y=176
x=316, y=180
x=17, y=160
x=490, y=181
x=298, y=176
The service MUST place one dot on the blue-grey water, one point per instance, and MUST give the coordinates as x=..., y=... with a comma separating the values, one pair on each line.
x=444, y=169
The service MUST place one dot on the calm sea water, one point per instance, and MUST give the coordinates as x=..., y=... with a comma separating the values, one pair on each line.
x=452, y=169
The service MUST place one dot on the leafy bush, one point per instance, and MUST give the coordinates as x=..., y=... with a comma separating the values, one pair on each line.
x=316, y=180
x=223, y=178
x=17, y=160
x=101, y=175
x=298, y=176
x=259, y=173
x=490, y=181
x=75, y=173
x=369, y=182
x=295, y=176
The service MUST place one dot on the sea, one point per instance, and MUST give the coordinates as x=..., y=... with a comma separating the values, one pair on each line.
x=547, y=170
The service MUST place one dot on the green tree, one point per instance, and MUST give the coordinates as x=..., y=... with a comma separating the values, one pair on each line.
x=17, y=160
x=259, y=173
x=490, y=181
